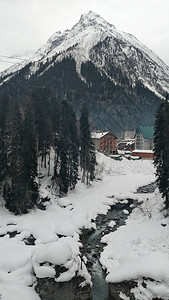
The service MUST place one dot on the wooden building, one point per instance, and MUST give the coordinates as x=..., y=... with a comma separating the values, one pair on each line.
x=145, y=154
x=105, y=142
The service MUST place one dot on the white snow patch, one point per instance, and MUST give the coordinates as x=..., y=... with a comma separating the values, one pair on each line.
x=123, y=296
x=56, y=231
x=112, y=224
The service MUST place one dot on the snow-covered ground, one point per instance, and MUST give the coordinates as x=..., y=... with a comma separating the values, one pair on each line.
x=140, y=248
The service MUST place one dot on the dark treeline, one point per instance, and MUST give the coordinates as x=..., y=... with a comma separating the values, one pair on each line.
x=114, y=107
x=29, y=129
x=161, y=147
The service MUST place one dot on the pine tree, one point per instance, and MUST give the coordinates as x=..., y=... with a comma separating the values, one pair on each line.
x=92, y=161
x=4, y=102
x=20, y=189
x=43, y=121
x=63, y=172
x=29, y=153
x=87, y=153
x=161, y=146
x=14, y=186
x=67, y=151
x=73, y=150
x=63, y=148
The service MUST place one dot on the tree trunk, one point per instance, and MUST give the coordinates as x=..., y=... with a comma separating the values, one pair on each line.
x=49, y=164
x=83, y=175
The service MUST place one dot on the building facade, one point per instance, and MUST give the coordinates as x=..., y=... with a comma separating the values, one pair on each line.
x=105, y=142
x=144, y=137
x=145, y=154
x=129, y=135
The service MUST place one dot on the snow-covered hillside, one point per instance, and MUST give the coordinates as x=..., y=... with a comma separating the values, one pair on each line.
x=93, y=39
x=55, y=233
x=13, y=63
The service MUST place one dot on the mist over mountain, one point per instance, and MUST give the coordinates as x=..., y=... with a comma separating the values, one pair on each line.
x=120, y=79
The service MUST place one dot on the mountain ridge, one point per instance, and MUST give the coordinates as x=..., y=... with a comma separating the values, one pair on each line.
x=96, y=63
x=79, y=42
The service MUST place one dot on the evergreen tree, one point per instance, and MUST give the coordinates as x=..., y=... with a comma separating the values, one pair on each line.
x=13, y=186
x=63, y=148
x=87, y=153
x=43, y=120
x=29, y=154
x=161, y=146
x=4, y=101
x=20, y=189
x=73, y=150
x=92, y=161
x=63, y=172
x=67, y=151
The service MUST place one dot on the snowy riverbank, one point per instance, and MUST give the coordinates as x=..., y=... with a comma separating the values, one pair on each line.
x=135, y=250
x=139, y=251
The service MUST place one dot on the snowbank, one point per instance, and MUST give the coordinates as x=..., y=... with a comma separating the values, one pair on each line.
x=154, y=265
x=54, y=233
x=140, y=250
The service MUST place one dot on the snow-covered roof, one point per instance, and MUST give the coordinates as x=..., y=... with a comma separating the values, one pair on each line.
x=143, y=151
x=131, y=142
x=98, y=135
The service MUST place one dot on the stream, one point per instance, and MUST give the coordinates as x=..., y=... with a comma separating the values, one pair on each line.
x=49, y=289
x=92, y=246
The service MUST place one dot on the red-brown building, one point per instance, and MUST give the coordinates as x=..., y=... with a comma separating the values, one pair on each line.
x=105, y=142
x=146, y=154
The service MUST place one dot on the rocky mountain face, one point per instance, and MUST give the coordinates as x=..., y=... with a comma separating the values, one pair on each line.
x=120, y=79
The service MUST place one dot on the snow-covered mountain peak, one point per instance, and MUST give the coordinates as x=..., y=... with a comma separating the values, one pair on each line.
x=90, y=24
x=78, y=42
x=91, y=19
x=94, y=39
x=90, y=30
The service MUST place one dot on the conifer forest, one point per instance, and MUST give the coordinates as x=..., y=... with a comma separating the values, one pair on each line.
x=29, y=129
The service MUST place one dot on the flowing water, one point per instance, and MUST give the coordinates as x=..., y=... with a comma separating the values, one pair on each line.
x=92, y=246
x=48, y=289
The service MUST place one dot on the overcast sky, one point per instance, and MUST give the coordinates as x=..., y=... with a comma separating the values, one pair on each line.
x=25, y=25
